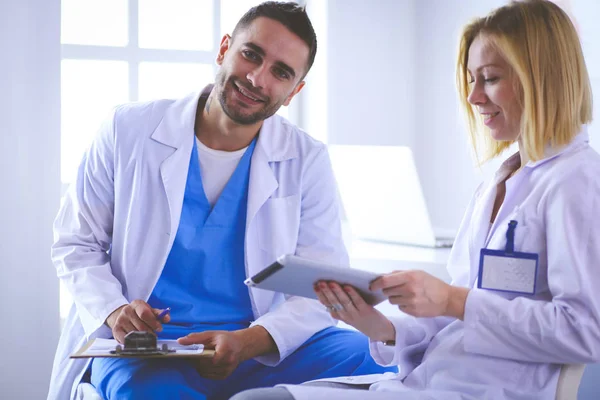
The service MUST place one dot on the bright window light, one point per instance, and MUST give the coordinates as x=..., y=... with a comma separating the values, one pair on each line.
x=176, y=24
x=94, y=22
x=161, y=80
x=284, y=112
x=232, y=11
x=89, y=89
x=66, y=301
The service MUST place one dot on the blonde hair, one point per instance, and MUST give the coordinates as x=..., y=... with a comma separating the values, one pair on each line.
x=540, y=43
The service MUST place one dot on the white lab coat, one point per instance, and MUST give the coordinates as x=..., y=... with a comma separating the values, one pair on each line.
x=118, y=221
x=509, y=346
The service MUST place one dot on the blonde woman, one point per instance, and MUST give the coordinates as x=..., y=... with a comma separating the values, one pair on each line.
x=525, y=266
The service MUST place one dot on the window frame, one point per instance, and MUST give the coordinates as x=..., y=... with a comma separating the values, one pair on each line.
x=134, y=55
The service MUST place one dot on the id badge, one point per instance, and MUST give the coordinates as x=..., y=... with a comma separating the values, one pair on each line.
x=508, y=270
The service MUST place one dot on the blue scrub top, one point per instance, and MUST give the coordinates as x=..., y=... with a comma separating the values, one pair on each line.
x=202, y=280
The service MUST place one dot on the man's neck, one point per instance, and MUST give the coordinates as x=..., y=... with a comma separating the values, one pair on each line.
x=217, y=131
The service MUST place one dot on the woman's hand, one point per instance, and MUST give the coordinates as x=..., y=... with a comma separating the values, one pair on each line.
x=344, y=303
x=422, y=295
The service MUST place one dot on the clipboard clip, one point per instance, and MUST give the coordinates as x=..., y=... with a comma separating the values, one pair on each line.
x=141, y=343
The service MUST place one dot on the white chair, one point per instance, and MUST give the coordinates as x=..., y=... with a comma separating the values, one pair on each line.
x=568, y=381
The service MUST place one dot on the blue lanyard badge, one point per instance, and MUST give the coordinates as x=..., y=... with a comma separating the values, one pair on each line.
x=508, y=270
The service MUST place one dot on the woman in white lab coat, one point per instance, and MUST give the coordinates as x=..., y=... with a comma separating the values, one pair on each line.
x=525, y=265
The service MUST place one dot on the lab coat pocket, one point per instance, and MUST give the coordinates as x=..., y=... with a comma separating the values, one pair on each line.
x=521, y=235
x=527, y=233
x=533, y=240
x=279, y=221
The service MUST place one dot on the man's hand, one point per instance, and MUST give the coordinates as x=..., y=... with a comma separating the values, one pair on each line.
x=344, y=303
x=231, y=349
x=422, y=295
x=136, y=316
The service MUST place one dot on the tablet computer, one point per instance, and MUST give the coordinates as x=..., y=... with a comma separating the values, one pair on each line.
x=297, y=276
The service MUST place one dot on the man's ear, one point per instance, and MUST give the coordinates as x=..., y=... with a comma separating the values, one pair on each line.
x=223, y=47
x=296, y=90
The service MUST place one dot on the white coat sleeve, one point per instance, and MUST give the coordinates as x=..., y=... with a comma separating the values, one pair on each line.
x=412, y=338
x=319, y=238
x=83, y=232
x=565, y=329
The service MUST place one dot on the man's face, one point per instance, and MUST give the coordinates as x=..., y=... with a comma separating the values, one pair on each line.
x=261, y=70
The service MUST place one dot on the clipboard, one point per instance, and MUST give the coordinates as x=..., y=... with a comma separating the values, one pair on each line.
x=296, y=276
x=101, y=348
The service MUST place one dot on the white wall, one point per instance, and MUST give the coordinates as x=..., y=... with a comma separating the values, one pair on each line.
x=369, y=80
x=391, y=81
x=442, y=150
x=587, y=15
x=314, y=108
x=30, y=182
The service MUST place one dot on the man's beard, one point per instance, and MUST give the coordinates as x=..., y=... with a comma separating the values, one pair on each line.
x=268, y=109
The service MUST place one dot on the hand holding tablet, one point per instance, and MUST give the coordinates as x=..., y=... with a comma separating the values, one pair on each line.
x=298, y=276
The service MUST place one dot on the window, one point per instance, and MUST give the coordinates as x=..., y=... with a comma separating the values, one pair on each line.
x=116, y=51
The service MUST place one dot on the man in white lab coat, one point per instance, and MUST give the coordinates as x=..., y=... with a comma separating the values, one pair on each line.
x=177, y=202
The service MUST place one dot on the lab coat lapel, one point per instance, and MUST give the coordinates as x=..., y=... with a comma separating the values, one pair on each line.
x=262, y=179
x=176, y=131
x=174, y=184
x=274, y=144
x=261, y=185
x=480, y=227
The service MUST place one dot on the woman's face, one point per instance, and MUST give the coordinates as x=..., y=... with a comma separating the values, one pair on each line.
x=492, y=90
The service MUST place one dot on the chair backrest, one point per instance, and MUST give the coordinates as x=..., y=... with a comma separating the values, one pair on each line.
x=568, y=381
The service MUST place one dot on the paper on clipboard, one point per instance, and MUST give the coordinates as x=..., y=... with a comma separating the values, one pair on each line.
x=102, y=348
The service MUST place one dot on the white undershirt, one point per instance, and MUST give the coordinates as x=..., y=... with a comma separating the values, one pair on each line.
x=216, y=168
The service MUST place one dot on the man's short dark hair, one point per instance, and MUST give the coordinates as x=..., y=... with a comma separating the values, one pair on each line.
x=289, y=14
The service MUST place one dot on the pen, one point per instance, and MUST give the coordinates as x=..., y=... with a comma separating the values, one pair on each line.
x=163, y=313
